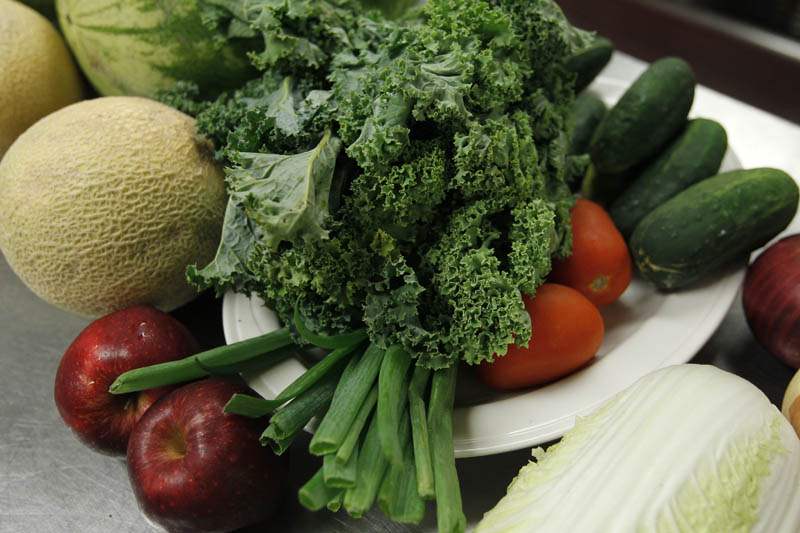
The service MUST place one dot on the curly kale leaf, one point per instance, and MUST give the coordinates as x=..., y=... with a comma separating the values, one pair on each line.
x=326, y=279
x=485, y=312
x=392, y=307
x=269, y=114
x=391, y=8
x=406, y=196
x=451, y=195
x=299, y=37
x=286, y=196
x=459, y=63
x=496, y=160
x=533, y=240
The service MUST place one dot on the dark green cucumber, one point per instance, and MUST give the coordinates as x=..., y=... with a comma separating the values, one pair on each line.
x=650, y=113
x=694, y=156
x=590, y=61
x=604, y=189
x=712, y=223
x=587, y=113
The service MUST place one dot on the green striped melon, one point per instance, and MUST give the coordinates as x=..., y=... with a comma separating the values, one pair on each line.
x=138, y=47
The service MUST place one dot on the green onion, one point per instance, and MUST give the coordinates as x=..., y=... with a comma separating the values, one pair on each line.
x=279, y=446
x=372, y=465
x=315, y=494
x=311, y=376
x=325, y=341
x=419, y=431
x=450, y=515
x=351, y=392
x=338, y=474
x=354, y=433
x=148, y=377
x=398, y=497
x=224, y=359
x=260, y=364
x=288, y=421
x=335, y=503
x=392, y=394
x=248, y=406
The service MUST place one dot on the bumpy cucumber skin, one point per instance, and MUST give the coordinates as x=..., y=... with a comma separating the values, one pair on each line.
x=694, y=156
x=589, y=62
x=587, y=113
x=712, y=223
x=650, y=113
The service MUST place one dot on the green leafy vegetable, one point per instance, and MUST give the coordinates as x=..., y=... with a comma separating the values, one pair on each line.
x=286, y=196
x=422, y=186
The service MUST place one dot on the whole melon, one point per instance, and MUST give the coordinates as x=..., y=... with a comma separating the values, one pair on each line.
x=104, y=203
x=139, y=47
x=37, y=74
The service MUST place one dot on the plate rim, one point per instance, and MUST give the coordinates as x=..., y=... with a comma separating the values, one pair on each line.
x=725, y=289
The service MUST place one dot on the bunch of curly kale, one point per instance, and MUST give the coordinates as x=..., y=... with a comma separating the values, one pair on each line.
x=408, y=175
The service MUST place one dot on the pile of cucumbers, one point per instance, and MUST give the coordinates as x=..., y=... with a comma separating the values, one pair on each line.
x=656, y=171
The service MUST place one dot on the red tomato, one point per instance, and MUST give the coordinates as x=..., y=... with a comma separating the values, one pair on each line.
x=567, y=332
x=600, y=266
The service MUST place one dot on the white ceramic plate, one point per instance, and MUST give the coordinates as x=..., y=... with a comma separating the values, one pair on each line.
x=645, y=331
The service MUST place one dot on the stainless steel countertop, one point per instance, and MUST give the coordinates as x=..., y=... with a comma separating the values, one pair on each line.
x=49, y=482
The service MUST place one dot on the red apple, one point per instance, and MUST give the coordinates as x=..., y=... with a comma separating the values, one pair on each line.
x=130, y=338
x=195, y=468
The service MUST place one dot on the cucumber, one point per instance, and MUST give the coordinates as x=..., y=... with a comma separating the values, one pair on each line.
x=650, y=113
x=590, y=61
x=604, y=189
x=712, y=223
x=694, y=156
x=587, y=113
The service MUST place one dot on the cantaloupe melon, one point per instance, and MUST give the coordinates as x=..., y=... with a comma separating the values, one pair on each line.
x=37, y=74
x=104, y=203
x=138, y=47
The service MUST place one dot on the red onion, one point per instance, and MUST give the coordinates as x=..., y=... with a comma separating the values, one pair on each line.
x=772, y=299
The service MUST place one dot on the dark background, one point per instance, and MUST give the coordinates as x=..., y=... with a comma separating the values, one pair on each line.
x=748, y=49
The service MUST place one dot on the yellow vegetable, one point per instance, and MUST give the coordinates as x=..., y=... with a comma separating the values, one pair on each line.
x=104, y=203
x=37, y=74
